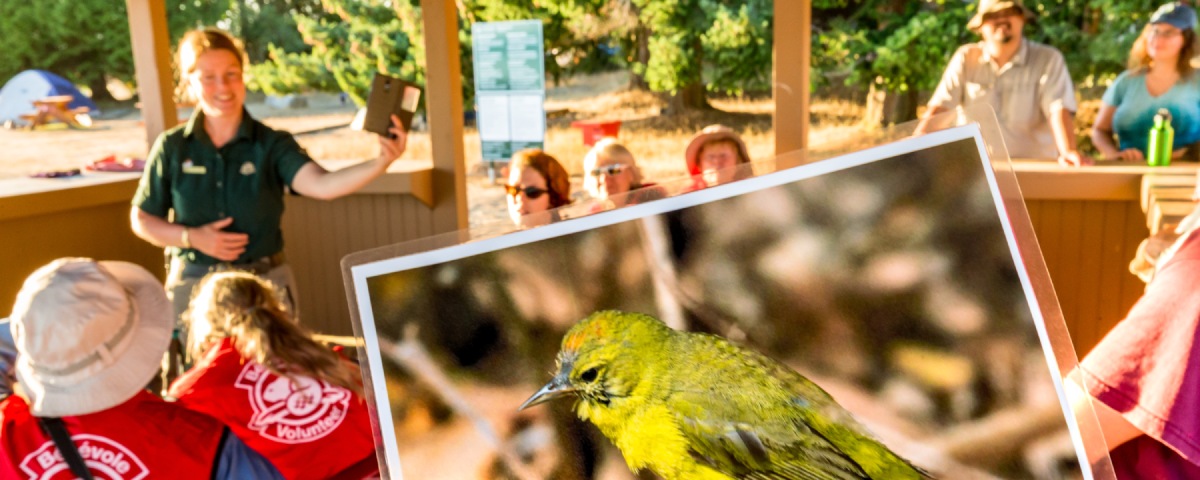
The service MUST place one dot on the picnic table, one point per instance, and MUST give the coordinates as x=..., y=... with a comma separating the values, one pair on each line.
x=56, y=108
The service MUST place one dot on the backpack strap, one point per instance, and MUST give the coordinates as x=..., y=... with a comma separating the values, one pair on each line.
x=57, y=430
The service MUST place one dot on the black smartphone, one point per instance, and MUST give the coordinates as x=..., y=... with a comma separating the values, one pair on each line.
x=390, y=95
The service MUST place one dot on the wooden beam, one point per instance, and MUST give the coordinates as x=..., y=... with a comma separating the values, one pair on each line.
x=444, y=105
x=152, y=62
x=793, y=44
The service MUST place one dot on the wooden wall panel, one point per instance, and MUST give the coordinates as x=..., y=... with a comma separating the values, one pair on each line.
x=97, y=231
x=1087, y=245
x=319, y=234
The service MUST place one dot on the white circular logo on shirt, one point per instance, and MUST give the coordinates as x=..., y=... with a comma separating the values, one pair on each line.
x=292, y=411
x=106, y=459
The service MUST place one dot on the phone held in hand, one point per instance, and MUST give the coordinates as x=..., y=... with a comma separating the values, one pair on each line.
x=390, y=95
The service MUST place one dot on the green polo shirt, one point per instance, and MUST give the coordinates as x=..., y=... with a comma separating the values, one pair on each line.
x=245, y=179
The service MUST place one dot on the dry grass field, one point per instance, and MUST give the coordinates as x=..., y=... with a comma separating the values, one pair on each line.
x=656, y=137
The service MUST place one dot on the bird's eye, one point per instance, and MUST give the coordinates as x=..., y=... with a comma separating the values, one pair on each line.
x=589, y=375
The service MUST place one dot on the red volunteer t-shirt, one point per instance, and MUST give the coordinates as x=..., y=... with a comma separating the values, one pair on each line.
x=143, y=438
x=308, y=430
x=1148, y=370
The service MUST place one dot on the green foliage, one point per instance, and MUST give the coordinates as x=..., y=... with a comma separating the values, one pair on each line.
x=725, y=44
x=85, y=41
x=263, y=24
x=902, y=61
x=349, y=40
x=676, y=49
x=290, y=72
x=901, y=45
x=897, y=45
x=1094, y=36
x=738, y=46
x=369, y=35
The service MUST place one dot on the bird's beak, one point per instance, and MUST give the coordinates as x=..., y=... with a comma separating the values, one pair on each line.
x=557, y=387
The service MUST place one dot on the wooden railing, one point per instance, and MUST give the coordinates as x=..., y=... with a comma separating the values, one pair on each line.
x=88, y=216
x=1089, y=222
x=44, y=219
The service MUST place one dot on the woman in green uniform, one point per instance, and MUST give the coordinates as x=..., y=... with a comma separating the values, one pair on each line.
x=223, y=174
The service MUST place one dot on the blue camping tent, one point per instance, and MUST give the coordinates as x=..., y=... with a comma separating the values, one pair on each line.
x=17, y=96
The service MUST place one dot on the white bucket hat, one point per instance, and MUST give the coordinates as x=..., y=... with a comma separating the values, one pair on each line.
x=89, y=335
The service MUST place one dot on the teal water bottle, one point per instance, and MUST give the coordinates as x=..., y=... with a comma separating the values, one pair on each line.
x=1162, y=140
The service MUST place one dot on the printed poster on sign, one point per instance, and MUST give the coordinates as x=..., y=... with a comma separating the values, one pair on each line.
x=510, y=86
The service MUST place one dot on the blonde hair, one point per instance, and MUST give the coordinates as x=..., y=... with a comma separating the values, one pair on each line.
x=245, y=308
x=609, y=147
x=1139, y=55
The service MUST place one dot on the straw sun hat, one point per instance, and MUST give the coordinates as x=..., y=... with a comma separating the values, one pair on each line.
x=89, y=335
x=712, y=132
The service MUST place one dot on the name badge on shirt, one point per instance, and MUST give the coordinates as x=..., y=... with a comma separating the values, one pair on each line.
x=193, y=169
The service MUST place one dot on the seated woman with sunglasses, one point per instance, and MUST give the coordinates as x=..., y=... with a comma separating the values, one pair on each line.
x=612, y=177
x=537, y=184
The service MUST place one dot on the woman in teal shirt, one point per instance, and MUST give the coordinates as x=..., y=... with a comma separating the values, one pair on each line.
x=1160, y=76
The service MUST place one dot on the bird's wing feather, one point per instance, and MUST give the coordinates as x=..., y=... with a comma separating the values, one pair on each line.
x=767, y=449
x=755, y=418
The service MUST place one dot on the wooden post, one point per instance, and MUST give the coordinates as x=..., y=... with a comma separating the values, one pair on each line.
x=793, y=43
x=152, y=62
x=444, y=104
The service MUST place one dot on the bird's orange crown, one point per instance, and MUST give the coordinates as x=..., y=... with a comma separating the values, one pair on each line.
x=583, y=332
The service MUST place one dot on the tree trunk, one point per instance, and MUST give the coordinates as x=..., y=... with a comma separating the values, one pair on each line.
x=99, y=89
x=693, y=95
x=885, y=107
x=641, y=55
x=690, y=97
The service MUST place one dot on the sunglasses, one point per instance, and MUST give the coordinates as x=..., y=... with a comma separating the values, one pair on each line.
x=532, y=192
x=614, y=169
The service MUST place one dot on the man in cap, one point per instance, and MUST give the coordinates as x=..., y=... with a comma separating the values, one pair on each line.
x=1025, y=82
x=88, y=337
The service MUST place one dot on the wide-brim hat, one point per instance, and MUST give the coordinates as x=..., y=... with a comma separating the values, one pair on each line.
x=711, y=133
x=89, y=335
x=993, y=6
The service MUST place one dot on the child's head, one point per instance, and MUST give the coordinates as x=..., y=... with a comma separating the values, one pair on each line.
x=246, y=309
x=233, y=304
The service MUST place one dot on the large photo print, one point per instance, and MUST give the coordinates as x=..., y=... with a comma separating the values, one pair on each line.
x=861, y=317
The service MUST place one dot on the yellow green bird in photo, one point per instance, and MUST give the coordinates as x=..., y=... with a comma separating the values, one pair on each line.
x=697, y=407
